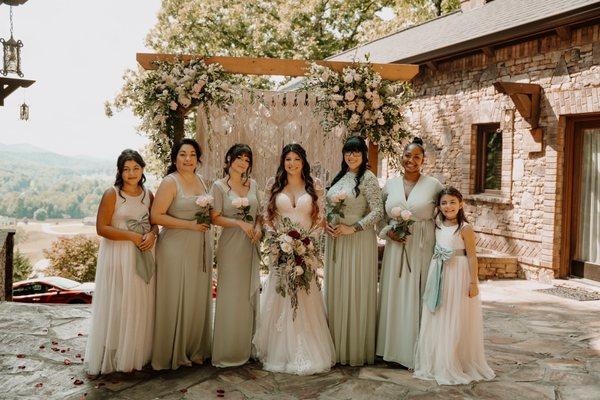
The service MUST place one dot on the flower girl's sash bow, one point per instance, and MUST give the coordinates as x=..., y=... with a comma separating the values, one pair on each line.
x=433, y=288
x=144, y=260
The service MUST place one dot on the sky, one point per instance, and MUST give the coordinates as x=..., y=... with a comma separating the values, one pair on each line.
x=76, y=51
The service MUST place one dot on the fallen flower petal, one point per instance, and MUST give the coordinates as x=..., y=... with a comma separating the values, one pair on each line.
x=21, y=367
x=67, y=361
x=39, y=385
x=20, y=355
x=78, y=382
x=183, y=390
x=42, y=346
x=54, y=342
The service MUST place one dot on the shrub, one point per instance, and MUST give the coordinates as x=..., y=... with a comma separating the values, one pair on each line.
x=40, y=214
x=21, y=266
x=73, y=257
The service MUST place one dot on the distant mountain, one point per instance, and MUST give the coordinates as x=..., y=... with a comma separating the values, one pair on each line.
x=25, y=156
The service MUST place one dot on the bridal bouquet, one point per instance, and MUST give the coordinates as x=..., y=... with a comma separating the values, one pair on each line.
x=401, y=229
x=242, y=204
x=205, y=203
x=294, y=256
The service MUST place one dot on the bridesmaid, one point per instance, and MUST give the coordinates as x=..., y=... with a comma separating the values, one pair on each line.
x=404, y=273
x=182, y=331
x=237, y=259
x=123, y=307
x=351, y=258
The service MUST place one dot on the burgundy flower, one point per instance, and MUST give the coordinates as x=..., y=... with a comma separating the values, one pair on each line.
x=294, y=234
x=298, y=260
x=306, y=241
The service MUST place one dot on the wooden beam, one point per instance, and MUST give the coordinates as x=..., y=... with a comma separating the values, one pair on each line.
x=373, y=155
x=526, y=97
x=9, y=85
x=564, y=32
x=278, y=66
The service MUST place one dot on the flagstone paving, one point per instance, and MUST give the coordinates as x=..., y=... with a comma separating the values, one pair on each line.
x=541, y=347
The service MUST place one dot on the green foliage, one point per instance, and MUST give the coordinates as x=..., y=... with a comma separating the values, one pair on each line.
x=40, y=214
x=74, y=257
x=62, y=186
x=21, y=266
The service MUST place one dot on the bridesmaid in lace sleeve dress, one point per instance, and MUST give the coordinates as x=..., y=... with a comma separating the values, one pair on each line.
x=351, y=257
x=237, y=258
x=182, y=331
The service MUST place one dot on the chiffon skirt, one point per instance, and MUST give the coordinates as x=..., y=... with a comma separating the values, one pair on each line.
x=120, y=337
x=301, y=346
x=450, y=346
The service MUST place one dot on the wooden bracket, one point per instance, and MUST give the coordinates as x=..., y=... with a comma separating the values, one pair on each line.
x=489, y=52
x=526, y=97
x=9, y=85
x=432, y=65
x=564, y=32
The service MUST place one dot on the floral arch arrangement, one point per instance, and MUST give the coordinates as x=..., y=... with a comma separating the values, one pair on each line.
x=360, y=102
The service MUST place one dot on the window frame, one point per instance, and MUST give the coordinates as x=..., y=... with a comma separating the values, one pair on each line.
x=481, y=158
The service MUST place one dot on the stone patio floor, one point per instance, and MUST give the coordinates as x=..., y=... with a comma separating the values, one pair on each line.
x=541, y=347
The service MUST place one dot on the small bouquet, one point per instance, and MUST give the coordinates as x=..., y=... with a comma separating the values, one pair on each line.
x=401, y=229
x=294, y=256
x=335, y=211
x=243, y=206
x=205, y=202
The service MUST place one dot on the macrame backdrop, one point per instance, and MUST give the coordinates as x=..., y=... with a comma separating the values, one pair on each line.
x=267, y=121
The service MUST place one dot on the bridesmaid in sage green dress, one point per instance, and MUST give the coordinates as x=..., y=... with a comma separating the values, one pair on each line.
x=182, y=329
x=237, y=259
x=404, y=271
x=351, y=258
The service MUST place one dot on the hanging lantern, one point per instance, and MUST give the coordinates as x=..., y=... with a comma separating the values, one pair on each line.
x=24, y=112
x=12, y=52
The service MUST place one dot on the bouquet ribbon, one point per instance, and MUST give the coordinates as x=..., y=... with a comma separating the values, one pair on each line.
x=433, y=288
x=144, y=260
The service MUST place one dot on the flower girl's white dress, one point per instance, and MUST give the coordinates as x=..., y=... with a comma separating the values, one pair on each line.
x=302, y=345
x=450, y=346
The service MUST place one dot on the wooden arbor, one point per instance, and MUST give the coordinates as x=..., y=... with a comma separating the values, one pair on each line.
x=281, y=67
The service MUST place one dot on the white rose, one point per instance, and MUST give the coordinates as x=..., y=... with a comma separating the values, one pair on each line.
x=300, y=249
x=376, y=103
x=354, y=119
x=287, y=239
x=333, y=104
x=350, y=96
x=204, y=201
x=360, y=106
x=351, y=106
x=299, y=270
x=340, y=196
x=245, y=202
x=198, y=87
x=348, y=78
x=395, y=212
x=405, y=214
x=237, y=203
x=336, y=89
x=368, y=94
x=286, y=247
x=381, y=121
x=337, y=97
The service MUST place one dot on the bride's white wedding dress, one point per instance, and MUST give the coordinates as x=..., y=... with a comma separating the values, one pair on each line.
x=301, y=346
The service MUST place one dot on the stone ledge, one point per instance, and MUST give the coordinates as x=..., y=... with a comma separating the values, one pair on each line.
x=488, y=198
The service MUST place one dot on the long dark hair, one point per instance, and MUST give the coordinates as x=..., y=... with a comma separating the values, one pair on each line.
x=355, y=143
x=175, y=150
x=234, y=152
x=416, y=142
x=461, y=218
x=281, y=180
x=129, y=155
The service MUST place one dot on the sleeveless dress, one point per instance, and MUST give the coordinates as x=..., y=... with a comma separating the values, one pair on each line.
x=238, y=267
x=401, y=289
x=182, y=331
x=303, y=345
x=351, y=274
x=450, y=347
x=120, y=337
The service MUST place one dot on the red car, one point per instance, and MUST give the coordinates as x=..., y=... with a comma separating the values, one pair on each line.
x=53, y=289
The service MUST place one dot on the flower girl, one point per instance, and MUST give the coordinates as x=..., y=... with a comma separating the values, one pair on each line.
x=450, y=346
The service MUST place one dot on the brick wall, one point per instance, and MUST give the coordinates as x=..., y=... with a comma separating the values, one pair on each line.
x=524, y=218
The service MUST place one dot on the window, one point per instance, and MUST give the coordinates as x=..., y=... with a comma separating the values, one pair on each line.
x=488, y=172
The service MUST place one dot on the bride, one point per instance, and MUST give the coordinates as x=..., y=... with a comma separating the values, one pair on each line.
x=292, y=335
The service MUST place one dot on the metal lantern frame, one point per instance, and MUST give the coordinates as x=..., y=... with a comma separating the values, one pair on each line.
x=12, y=52
x=24, y=112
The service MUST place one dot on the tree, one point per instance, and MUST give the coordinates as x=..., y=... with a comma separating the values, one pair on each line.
x=21, y=266
x=74, y=257
x=40, y=214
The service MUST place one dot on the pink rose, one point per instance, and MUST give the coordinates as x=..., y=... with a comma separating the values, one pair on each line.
x=396, y=212
x=405, y=215
x=204, y=201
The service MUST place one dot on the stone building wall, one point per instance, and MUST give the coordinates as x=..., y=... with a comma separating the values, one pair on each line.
x=453, y=96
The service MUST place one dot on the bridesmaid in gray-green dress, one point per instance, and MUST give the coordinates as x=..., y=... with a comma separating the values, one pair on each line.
x=351, y=258
x=182, y=329
x=404, y=273
x=237, y=259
